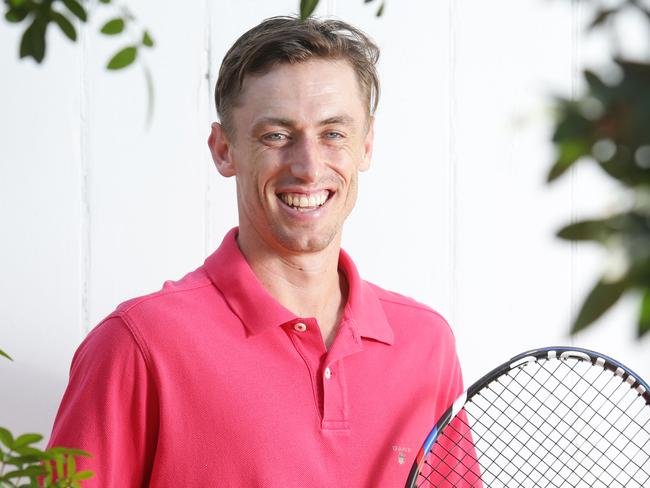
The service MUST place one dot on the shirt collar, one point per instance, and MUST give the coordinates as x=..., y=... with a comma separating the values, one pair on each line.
x=258, y=310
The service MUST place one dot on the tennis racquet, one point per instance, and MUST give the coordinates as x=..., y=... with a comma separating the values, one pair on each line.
x=554, y=417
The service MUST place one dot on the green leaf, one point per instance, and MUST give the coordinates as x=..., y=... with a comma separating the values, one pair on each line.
x=602, y=296
x=644, y=316
x=113, y=26
x=307, y=8
x=380, y=10
x=4, y=354
x=77, y=9
x=72, y=465
x=26, y=439
x=147, y=40
x=104, y=1
x=586, y=230
x=83, y=475
x=15, y=15
x=52, y=452
x=65, y=25
x=569, y=153
x=601, y=17
x=6, y=438
x=32, y=43
x=58, y=460
x=123, y=58
x=29, y=471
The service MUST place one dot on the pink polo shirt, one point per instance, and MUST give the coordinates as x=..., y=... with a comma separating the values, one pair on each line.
x=210, y=382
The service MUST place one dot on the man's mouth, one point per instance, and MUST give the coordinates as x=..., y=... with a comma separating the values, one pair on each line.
x=304, y=202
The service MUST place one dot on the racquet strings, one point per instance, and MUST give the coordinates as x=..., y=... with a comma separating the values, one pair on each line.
x=546, y=423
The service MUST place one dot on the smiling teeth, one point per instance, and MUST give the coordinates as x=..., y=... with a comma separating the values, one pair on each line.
x=300, y=200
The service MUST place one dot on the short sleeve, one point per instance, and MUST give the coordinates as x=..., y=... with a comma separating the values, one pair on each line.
x=110, y=408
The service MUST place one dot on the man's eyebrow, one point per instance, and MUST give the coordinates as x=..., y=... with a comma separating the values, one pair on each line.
x=274, y=121
x=280, y=121
x=338, y=119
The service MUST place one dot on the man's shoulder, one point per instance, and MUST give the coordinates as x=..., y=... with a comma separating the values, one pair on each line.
x=172, y=294
x=404, y=306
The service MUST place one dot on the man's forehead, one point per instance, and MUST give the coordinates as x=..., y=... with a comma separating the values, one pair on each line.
x=312, y=77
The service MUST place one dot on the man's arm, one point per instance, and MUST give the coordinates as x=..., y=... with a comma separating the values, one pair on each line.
x=110, y=408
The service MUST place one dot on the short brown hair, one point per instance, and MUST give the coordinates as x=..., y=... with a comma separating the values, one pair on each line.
x=291, y=40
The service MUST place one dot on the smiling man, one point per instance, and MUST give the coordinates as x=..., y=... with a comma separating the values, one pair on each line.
x=273, y=364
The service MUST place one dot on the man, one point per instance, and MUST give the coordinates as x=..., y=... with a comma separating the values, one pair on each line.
x=273, y=364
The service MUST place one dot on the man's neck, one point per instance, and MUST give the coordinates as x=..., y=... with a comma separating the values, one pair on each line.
x=309, y=285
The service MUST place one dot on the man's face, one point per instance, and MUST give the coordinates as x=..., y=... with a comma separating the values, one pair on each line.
x=300, y=134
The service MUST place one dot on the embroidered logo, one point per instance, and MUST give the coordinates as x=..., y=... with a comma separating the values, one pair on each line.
x=401, y=453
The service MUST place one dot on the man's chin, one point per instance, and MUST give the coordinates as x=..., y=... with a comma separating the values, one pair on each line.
x=306, y=242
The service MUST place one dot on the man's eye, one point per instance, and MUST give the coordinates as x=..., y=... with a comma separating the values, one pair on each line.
x=275, y=137
x=333, y=135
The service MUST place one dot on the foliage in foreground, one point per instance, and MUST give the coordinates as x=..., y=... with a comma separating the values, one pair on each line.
x=609, y=125
x=23, y=465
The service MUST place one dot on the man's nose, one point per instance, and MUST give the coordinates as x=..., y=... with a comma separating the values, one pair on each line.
x=306, y=160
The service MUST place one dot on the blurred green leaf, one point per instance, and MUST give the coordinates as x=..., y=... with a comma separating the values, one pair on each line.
x=32, y=43
x=58, y=461
x=602, y=296
x=147, y=40
x=113, y=26
x=6, y=438
x=25, y=439
x=569, y=152
x=15, y=15
x=83, y=475
x=644, y=315
x=380, y=10
x=29, y=471
x=601, y=17
x=4, y=354
x=77, y=9
x=65, y=25
x=307, y=8
x=123, y=58
x=71, y=467
x=587, y=230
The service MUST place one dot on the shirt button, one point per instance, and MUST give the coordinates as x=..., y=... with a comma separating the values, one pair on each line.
x=300, y=327
x=328, y=373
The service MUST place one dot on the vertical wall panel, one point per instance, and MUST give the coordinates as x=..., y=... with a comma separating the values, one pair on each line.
x=399, y=233
x=512, y=278
x=39, y=210
x=97, y=208
x=146, y=184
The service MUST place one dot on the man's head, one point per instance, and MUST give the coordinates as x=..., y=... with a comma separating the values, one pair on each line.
x=296, y=103
x=291, y=40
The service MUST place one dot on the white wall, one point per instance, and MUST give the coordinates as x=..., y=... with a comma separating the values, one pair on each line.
x=96, y=209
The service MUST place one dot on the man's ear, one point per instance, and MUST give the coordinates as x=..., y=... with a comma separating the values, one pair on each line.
x=220, y=146
x=367, y=145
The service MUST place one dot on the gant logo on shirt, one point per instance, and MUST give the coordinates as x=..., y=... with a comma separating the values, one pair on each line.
x=401, y=453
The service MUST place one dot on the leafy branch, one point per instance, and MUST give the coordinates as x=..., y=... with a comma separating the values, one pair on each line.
x=609, y=125
x=55, y=467
x=21, y=460
x=307, y=7
x=38, y=15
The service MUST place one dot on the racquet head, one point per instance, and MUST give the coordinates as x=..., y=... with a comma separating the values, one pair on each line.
x=554, y=417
